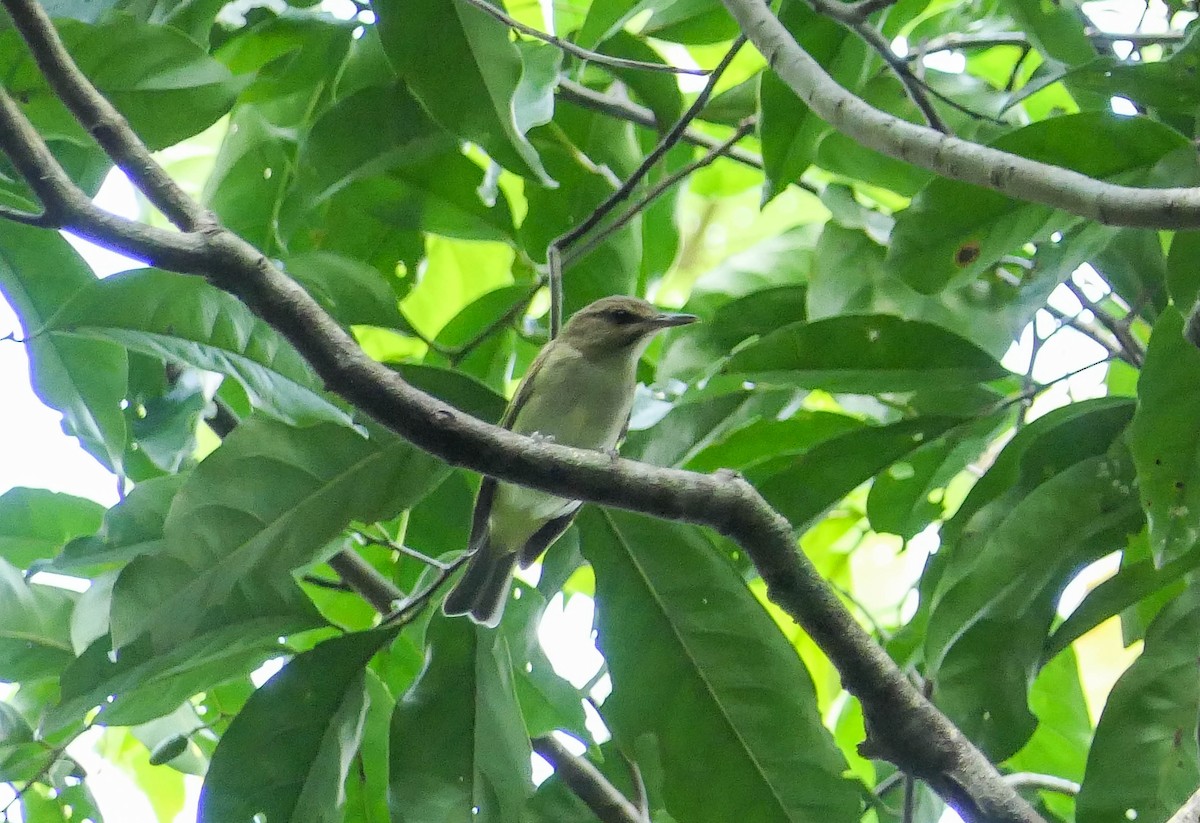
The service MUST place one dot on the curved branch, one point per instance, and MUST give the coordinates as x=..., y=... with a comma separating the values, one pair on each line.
x=905, y=726
x=585, y=782
x=951, y=157
x=106, y=125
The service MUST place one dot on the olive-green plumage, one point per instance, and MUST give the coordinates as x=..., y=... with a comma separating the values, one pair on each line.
x=578, y=392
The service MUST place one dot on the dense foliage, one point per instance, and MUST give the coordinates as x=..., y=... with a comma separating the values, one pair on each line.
x=409, y=167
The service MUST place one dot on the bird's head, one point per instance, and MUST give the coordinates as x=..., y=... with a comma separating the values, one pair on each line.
x=619, y=326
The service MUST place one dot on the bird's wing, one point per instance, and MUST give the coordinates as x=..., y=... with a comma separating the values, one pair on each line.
x=487, y=488
x=546, y=535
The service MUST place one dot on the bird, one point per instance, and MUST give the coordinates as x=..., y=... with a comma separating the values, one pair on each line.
x=578, y=392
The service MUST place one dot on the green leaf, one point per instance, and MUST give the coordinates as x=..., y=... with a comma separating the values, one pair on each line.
x=459, y=747
x=132, y=527
x=688, y=21
x=983, y=642
x=138, y=683
x=380, y=138
x=351, y=291
x=702, y=419
x=956, y=231
x=1144, y=761
x=849, y=277
x=902, y=499
x=865, y=354
x=225, y=525
x=1060, y=745
x=808, y=485
x=35, y=634
x=36, y=523
x=789, y=130
x=685, y=639
x=1183, y=269
x=83, y=379
x=1165, y=440
x=1132, y=584
x=367, y=782
x=476, y=101
x=287, y=753
x=161, y=80
x=1056, y=31
x=184, y=319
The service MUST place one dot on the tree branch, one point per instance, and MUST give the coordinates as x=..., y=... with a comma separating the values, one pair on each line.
x=631, y=112
x=657, y=191
x=905, y=726
x=852, y=18
x=564, y=241
x=952, y=157
x=577, y=50
x=106, y=125
x=585, y=782
x=956, y=42
x=1131, y=348
x=1189, y=812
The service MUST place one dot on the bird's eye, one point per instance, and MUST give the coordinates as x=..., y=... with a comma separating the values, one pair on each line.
x=622, y=316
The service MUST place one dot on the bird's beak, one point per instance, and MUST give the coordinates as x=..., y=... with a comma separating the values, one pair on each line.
x=666, y=320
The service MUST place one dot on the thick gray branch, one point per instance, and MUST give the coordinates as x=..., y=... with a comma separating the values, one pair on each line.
x=951, y=157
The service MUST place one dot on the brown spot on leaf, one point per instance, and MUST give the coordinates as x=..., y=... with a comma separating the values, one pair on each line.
x=967, y=253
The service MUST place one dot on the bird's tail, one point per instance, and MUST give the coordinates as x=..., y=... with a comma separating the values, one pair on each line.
x=483, y=590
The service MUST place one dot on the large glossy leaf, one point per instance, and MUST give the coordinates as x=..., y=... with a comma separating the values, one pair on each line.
x=955, y=230
x=983, y=643
x=225, y=526
x=138, y=682
x=162, y=81
x=36, y=523
x=849, y=277
x=35, y=638
x=1165, y=440
x=288, y=751
x=459, y=748
x=1144, y=763
x=83, y=379
x=864, y=354
x=697, y=665
x=478, y=101
x=420, y=180
x=804, y=487
x=184, y=319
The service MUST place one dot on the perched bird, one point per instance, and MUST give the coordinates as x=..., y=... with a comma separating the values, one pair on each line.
x=578, y=392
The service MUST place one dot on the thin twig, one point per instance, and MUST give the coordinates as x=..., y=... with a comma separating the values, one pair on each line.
x=848, y=17
x=649, y=197
x=1129, y=343
x=631, y=112
x=518, y=307
x=578, y=51
x=865, y=8
x=55, y=755
x=668, y=141
x=402, y=549
x=910, y=799
x=326, y=583
x=1042, y=782
x=587, y=783
x=958, y=42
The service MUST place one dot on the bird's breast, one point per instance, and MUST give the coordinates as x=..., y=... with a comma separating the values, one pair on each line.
x=579, y=402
